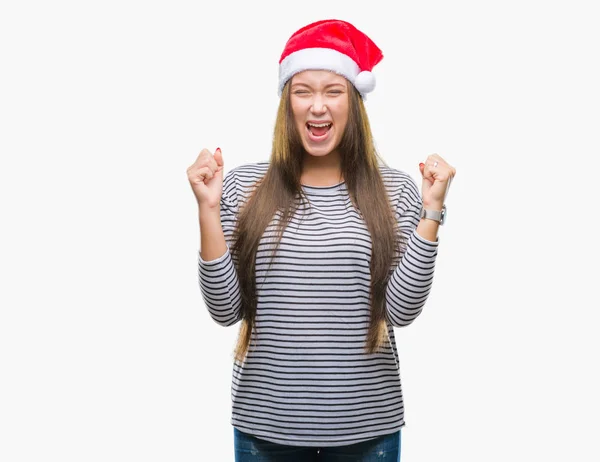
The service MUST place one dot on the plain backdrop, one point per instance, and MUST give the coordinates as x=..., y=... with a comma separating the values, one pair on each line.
x=107, y=352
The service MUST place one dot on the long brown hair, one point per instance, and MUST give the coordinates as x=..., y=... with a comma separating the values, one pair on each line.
x=280, y=189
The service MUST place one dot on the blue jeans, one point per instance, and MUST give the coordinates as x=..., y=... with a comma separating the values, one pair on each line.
x=248, y=448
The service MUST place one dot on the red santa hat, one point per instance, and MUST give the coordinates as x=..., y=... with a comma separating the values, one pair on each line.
x=331, y=45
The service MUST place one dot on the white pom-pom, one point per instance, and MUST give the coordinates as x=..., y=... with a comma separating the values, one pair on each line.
x=365, y=82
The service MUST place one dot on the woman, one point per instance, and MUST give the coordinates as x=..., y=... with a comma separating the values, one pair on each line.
x=319, y=252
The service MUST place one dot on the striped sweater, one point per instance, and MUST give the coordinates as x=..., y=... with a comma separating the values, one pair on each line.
x=308, y=381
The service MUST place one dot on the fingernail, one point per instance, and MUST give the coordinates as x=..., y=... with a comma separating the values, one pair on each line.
x=421, y=164
x=218, y=149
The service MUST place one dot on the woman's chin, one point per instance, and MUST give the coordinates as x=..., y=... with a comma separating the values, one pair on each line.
x=319, y=150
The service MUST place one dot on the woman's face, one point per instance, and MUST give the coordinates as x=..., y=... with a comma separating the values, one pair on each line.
x=320, y=103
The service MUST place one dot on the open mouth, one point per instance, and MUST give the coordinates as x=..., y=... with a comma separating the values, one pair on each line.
x=319, y=131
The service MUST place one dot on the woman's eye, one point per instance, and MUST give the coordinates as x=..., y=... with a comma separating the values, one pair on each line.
x=300, y=92
x=335, y=92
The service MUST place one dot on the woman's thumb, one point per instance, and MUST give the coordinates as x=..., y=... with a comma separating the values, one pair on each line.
x=218, y=156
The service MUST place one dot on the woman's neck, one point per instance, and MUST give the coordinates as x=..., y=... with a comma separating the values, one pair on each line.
x=321, y=170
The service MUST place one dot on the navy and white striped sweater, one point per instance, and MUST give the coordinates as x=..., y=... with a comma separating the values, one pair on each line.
x=308, y=381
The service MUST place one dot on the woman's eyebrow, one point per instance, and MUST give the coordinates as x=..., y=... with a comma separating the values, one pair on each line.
x=326, y=86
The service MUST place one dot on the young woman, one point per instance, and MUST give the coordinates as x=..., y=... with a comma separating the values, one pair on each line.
x=319, y=252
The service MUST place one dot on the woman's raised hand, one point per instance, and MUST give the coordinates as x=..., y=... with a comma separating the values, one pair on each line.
x=437, y=175
x=206, y=178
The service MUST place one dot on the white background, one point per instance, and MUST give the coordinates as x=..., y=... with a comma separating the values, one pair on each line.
x=107, y=352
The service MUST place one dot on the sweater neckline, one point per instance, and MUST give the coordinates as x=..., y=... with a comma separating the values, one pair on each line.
x=323, y=187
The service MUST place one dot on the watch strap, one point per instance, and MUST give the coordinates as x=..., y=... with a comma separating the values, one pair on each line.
x=436, y=215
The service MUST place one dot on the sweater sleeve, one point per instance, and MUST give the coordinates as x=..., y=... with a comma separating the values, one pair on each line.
x=412, y=277
x=218, y=278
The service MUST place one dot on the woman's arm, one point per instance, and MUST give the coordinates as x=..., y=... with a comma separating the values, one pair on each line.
x=212, y=238
x=411, y=280
x=217, y=275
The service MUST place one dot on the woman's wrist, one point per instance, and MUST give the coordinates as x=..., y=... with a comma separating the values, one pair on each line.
x=205, y=210
x=433, y=205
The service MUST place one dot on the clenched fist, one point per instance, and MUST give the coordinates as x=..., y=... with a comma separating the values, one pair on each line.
x=206, y=178
x=437, y=176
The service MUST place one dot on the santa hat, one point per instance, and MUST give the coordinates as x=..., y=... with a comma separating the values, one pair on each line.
x=332, y=45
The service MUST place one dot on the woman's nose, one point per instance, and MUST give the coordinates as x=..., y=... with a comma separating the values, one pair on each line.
x=318, y=105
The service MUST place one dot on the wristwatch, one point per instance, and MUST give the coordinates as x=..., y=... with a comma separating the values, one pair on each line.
x=437, y=215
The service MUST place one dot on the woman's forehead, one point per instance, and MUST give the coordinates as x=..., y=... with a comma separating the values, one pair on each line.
x=318, y=77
